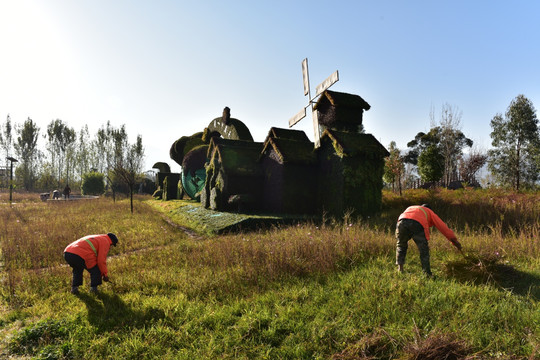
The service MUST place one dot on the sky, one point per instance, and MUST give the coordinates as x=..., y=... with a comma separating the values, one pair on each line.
x=166, y=68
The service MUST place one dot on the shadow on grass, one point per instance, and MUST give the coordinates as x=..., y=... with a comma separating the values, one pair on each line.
x=487, y=270
x=109, y=312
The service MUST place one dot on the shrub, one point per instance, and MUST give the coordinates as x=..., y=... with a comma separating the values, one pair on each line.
x=93, y=184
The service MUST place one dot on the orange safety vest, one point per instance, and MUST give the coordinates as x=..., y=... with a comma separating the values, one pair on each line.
x=93, y=249
x=427, y=218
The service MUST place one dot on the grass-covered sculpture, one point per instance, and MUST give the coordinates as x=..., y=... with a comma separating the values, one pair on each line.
x=226, y=170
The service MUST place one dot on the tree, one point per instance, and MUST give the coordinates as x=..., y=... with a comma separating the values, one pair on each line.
x=26, y=149
x=128, y=166
x=101, y=149
x=447, y=137
x=516, y=141
x=469, y=165
x=109, y=145
x=61, y=140
x=83, y=153
x=394, y=167
x=452, y=140
x=431, y=164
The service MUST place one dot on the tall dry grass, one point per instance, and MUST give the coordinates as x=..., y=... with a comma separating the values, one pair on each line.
x=303, y=249
x=34, y=234
x=476, y=209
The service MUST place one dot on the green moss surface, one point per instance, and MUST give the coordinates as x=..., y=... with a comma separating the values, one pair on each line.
x=192, y=214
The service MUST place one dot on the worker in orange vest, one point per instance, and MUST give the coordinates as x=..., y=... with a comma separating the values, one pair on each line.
x=90, y=253
x=414, y=223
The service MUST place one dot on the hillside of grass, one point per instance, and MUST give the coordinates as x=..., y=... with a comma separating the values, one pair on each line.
x=325, y=290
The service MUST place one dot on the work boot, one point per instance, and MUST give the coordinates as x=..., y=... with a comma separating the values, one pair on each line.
x=94, y=290
x=75, y=290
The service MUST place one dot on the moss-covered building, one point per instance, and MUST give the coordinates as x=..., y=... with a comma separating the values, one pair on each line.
x=285, y=173
x=341, y=111
x=288, y=161
x=233, y=175
x=350, y=170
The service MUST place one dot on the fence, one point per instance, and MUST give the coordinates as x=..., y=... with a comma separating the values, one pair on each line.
x=454, y=183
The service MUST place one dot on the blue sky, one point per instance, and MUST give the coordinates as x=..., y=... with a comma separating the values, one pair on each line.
x=166, y=68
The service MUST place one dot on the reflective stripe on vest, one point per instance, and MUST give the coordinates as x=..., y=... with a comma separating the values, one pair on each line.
x=91, y=245
x=425, y=213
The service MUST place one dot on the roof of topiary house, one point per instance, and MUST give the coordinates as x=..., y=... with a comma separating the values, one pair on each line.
x=290, y=134
x=237, y=157
x=290, y=151
x=215, y=141
x=350, y=144
x=339, y=99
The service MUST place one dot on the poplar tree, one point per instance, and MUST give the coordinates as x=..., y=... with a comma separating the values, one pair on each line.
x=28, y=152
x=61, y=141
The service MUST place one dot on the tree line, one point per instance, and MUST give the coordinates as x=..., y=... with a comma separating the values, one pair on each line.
x=439, y=156
x=68, y=155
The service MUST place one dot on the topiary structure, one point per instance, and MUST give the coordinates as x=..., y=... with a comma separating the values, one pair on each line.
x=194, y=172
x=341, y=111
x=227, y=170
x=162, y=167
x=351, y=167
x=232, y=170
x=290, y=174
x=227, y=128
x=184, y=145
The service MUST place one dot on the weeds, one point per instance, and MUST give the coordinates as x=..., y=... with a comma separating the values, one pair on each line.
x=309, y=290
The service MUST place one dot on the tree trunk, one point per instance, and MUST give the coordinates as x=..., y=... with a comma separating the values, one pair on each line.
x=131, y=197
x=518, y=151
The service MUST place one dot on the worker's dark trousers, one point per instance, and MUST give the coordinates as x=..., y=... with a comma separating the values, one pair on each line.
x=78, y=265
x=405, y=230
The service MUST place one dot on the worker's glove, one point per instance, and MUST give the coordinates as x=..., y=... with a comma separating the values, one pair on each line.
x=456, y=243
x=106, y=278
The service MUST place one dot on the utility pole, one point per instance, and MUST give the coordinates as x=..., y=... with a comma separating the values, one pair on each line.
x=12, y=160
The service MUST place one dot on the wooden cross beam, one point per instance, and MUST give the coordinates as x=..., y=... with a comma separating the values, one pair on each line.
x=331, y=80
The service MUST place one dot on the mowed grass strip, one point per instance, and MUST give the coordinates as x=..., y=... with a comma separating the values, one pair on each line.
x=299, y=292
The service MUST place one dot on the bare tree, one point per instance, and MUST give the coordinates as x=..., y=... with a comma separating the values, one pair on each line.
x=452, y=140
x=128, y=166
x=470, y=164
